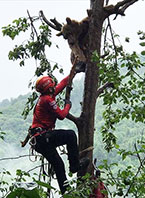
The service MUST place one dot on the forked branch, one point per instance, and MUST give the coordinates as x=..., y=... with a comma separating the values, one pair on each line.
x=119, y=8
x=54, y=24
x=101, y=89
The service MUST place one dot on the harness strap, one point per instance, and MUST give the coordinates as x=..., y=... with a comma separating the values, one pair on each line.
x=39, y=133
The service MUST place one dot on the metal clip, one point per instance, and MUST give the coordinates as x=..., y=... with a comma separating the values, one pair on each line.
x=33, y=141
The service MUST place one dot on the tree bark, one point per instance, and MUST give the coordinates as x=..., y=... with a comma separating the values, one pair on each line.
x=86, y=124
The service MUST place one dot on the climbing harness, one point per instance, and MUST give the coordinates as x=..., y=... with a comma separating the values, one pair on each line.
x=34, y=133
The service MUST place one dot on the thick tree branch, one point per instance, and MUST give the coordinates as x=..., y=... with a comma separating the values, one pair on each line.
x=125, y=3
x=73, y=118
x=119, y=8
x=54, y=25
x=101, y=89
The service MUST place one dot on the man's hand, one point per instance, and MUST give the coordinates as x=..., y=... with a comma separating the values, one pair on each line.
x=68, y=102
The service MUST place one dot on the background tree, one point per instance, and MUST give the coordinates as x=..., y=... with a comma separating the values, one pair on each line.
x=107, y=66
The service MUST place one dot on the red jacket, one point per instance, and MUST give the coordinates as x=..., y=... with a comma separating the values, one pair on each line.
x=47, y=111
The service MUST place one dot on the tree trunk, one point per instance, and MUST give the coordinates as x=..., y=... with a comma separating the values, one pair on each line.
x=86, y=124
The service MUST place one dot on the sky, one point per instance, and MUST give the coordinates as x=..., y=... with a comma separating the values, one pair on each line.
x=14, y=79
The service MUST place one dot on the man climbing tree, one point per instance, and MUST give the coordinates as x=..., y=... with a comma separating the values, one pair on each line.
x=102, y=66
x=44, y=137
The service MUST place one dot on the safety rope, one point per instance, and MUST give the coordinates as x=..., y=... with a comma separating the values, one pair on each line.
x=46, y=169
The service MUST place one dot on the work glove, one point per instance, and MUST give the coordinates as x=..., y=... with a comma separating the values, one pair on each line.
x=68, y=102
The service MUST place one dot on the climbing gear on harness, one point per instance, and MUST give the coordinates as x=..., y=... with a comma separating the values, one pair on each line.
x=34, y=132
x=44, y=83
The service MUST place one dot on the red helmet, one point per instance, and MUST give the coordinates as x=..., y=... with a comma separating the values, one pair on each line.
x=44, y=83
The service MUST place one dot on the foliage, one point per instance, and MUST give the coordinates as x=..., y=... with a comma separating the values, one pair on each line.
x=126, y=99
x=81, y=187
x=18, y=187
x=77, y=188
x=29, y=104
x=34, y=47
x=129, y=180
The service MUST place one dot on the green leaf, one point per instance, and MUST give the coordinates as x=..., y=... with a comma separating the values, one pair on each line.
x=22, y=193
x=31, y=193
x=143, y=53
x=22, y=63
x=46, y=185
x=61, y=71
x=116, y=146
x=127, y=39
x=12, y=195
x=142, y=44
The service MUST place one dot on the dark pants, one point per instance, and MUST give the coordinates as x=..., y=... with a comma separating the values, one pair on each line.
x=46, y=145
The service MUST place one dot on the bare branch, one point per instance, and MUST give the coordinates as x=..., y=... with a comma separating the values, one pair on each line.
x=140, y=160
x=36, y=167
x=55, y=24
x=58, y=25
x=119, y=8
x=124, y=3
x=86, y=151
x=72, y=118
x=101, y=89
x=17, y=157
x=138, y=74
x=112, y=37
x=71, y=76
x=32, y=25
x=133, y=179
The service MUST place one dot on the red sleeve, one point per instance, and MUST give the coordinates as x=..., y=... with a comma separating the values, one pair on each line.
x=54, y=108
x=61, y=85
